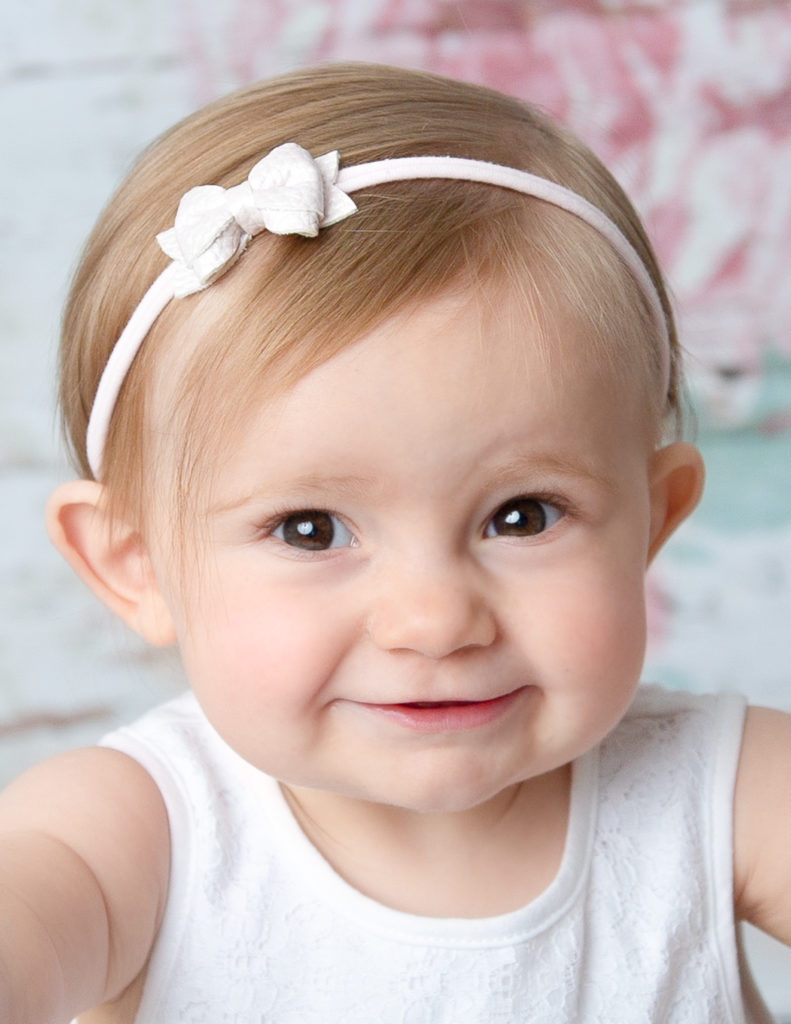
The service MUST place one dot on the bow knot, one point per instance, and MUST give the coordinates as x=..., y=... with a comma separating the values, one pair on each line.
x=287, y=193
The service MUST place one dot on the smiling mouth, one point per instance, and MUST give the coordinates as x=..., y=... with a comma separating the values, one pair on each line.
x=436, y=716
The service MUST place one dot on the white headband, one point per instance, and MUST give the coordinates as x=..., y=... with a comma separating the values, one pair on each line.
x=288, y=192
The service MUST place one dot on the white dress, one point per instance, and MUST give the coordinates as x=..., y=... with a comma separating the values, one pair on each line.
x=637, y=926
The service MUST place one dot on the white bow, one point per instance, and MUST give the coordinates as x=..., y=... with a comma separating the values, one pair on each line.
x=287, y=193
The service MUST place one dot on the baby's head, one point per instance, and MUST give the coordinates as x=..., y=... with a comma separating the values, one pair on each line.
x=421, y=449
x=291, y=303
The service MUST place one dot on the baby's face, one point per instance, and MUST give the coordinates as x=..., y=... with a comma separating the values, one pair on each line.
x=424, y=575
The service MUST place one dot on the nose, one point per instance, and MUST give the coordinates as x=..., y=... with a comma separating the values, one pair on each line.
x=434, y=610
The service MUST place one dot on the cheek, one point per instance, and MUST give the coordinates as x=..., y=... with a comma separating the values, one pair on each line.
x=591, y=646
x=262, y=665
x=263, y=647
x=609, y=619
x=590, y=625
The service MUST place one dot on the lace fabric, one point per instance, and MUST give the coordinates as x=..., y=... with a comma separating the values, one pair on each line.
x=637, y=925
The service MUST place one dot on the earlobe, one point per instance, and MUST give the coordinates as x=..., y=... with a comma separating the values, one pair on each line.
x=110, y=557
x=676, y=483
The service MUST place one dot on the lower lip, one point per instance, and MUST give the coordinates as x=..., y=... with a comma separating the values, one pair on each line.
x=447, y=717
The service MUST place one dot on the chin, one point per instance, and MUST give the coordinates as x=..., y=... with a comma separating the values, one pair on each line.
x=446, y=794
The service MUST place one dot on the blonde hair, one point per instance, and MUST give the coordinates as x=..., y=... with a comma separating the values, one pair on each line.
x=292, y=302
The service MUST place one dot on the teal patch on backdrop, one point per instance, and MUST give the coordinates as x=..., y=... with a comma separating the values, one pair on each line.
x=748, y=482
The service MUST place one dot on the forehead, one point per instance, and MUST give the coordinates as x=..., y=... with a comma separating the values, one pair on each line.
x=436, y=390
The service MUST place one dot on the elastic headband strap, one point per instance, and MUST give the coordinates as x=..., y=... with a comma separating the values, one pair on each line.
x=288, y=192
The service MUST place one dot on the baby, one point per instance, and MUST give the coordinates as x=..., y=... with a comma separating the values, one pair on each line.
x=383, y=434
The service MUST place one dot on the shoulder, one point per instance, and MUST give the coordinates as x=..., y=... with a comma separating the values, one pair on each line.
x=666, y=778
x=179, y=717
x=762, y=826
x=653, y=701
x=188, y=760
x=98, y=801
x=667, y=775
x=674, y=752
x=170, y=737
x=733, y=762
x=674, y=726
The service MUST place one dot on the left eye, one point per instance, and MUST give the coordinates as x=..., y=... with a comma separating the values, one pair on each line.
x=312, y=530
x=522, y=517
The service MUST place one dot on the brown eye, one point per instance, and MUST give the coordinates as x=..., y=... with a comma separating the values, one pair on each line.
x=312, y=530
x=522, y=517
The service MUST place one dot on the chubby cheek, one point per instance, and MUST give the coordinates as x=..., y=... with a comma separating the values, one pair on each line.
x=262, y=664
x=590, y=636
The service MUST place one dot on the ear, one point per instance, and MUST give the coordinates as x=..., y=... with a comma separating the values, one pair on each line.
x=676, y=484
x=110, y=557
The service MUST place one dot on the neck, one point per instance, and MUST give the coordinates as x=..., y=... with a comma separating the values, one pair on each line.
x=479, y=862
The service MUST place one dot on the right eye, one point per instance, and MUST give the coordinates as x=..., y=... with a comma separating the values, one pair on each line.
x=312, y=530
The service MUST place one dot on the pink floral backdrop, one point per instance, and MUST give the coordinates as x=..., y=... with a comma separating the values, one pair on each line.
x=688, y=102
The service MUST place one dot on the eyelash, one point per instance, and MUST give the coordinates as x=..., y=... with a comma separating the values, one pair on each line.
x=281, y=517
x=561, y=509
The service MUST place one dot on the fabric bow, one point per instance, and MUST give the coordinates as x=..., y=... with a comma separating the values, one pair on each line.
x=287, y=193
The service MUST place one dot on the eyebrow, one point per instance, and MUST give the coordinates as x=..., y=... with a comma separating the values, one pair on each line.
x=347, y=485
x=551, y=464
x=299, y=487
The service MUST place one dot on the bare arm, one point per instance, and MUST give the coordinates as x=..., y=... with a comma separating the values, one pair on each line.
x=84, y=859
x=762, y=851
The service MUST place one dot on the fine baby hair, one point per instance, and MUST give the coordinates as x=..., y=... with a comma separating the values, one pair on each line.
x=373, y=389
x=407, y=241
